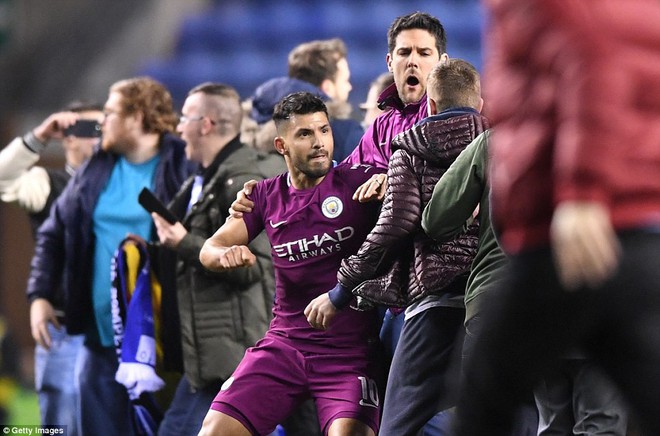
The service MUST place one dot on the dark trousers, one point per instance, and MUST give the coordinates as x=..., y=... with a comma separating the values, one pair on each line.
x=531, y=322
x=419, y=382
x=577, y=398
x=526, y=419
x=104, y=403
x=188, y=409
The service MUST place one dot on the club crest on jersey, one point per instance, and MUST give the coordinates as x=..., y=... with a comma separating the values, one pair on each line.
x=332, y=207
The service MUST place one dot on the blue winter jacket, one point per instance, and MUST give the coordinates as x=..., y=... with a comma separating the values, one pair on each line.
x=64, y=249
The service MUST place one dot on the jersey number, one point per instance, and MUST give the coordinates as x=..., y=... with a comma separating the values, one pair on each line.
x=369, y=392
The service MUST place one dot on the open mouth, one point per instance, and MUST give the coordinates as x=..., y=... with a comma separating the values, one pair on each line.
x=412, y=81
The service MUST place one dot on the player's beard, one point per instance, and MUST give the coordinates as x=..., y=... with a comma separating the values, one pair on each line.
x=317, y=170
x=315, y=173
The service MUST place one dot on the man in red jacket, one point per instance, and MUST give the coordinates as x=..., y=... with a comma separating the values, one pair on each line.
x=576, y=201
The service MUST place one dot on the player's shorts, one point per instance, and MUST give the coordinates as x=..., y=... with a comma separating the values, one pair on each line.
x=274, y=378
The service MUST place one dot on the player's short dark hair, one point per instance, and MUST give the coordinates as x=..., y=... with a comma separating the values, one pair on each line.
x=298, y=103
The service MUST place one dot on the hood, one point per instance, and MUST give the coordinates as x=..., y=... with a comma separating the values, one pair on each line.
x=439, y=139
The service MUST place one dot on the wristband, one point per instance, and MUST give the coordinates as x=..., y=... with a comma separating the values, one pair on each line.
x=340, y=296
x=33, y=143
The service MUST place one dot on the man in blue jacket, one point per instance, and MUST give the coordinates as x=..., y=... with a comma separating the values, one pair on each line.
x=93, y=215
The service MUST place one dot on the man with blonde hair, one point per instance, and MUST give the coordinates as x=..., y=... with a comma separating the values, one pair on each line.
x=398, y=265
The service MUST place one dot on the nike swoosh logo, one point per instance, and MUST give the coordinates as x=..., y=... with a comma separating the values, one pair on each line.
x=277, y=224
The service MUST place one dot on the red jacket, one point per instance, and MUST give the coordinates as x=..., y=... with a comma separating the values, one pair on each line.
x=574, y=89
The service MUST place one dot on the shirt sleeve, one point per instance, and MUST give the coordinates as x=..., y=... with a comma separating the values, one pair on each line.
x=20, y=182
x=399, y=217
x=254, y=221
x=48, y=260
x=457, y=193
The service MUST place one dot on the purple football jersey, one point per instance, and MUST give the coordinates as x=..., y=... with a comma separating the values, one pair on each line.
x=311, y=231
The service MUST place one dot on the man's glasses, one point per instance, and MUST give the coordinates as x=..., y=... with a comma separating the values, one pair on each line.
x=185, y=119
x=108, y=112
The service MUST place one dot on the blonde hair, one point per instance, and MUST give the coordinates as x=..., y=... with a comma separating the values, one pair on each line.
x=454, y=83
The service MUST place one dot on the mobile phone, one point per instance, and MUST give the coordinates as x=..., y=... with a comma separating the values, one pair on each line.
x=151, y=203
x=84, y=129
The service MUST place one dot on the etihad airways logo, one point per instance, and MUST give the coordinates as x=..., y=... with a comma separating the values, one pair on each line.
x=317, y=245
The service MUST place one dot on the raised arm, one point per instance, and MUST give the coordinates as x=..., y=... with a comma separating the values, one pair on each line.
x=227, y=248
x=188, y=244
x=399, y=218
x=20, y=181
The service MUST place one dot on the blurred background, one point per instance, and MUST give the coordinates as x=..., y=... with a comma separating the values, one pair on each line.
x=52, y=52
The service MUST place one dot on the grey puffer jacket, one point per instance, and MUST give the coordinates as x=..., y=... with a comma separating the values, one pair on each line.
x=398, y=264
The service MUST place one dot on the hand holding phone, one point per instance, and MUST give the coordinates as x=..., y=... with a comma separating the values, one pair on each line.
x=151, y=203
x=84, y=129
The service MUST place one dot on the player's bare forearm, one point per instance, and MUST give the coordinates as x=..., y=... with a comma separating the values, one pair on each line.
x=227, y=248
x=226, y=258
